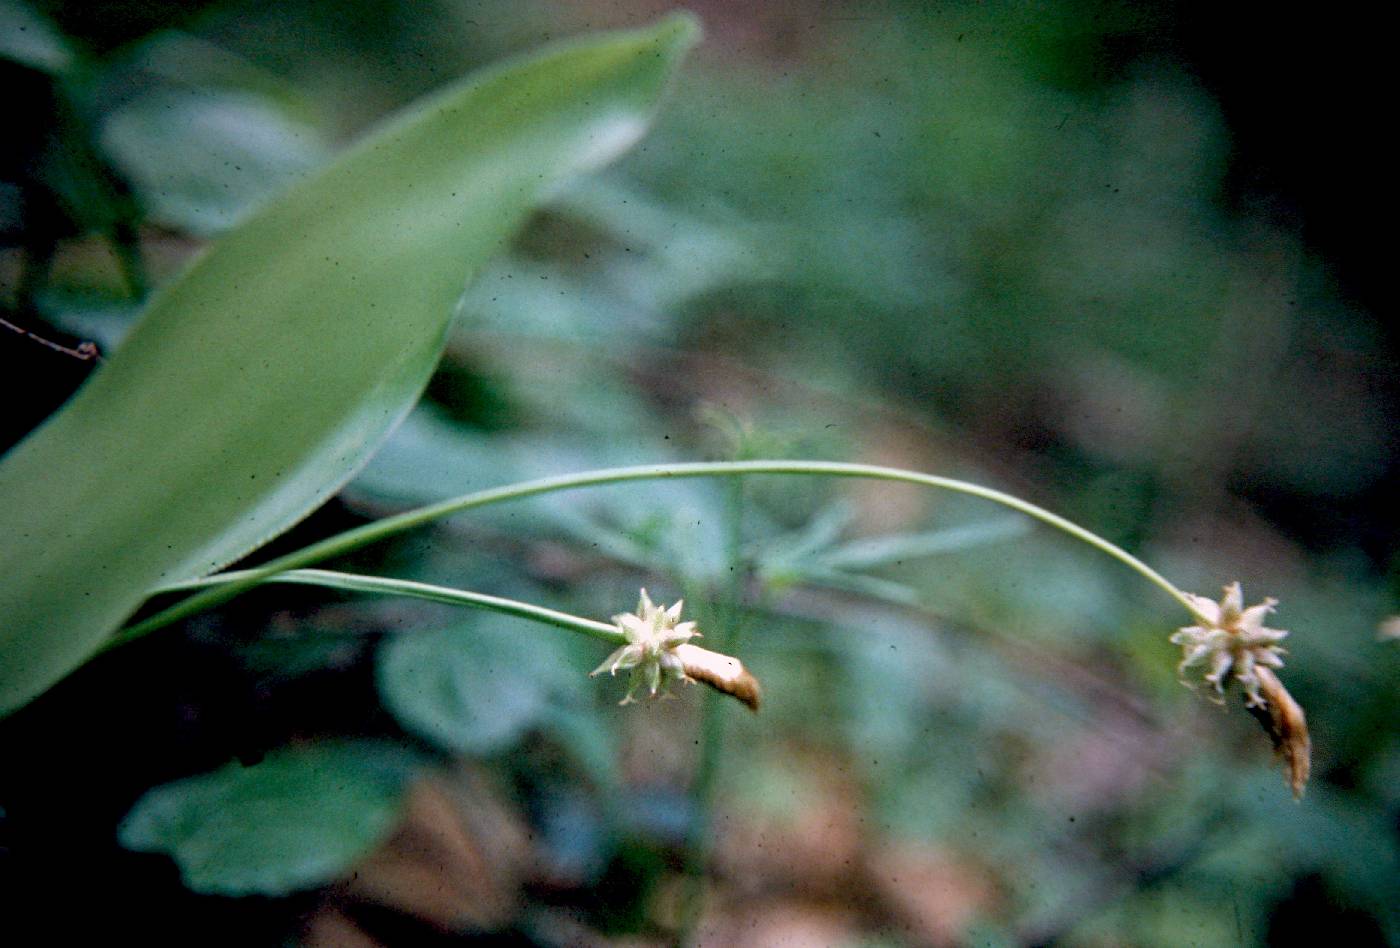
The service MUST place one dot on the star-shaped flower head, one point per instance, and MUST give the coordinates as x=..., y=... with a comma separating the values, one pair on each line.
x=653, y=633
x=1231, y=637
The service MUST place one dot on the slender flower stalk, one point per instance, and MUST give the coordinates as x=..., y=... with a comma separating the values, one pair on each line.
x=386, y=586
x=651, y=635
x=1228, y=637
x=351, y=540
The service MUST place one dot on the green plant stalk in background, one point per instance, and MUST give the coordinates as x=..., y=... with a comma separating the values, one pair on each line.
x=728, y=640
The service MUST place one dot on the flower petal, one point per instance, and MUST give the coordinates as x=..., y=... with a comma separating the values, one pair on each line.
x=1191, y=634
x=1220, y=664
x=672, y=668
x=634, y=628
x=1231, y=603
x=681, y=634
x=1191, y=656
x=611, y=663
x=1205, y=608
x=1252, y=619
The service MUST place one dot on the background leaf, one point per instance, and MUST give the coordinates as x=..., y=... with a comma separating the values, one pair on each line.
x=299, y=818
x=260, y=381
x=476, y=687
x=27, y=37
x=201, y=158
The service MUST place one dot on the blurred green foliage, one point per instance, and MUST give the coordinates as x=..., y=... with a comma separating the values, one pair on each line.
x=991, y=240
x=292, y=820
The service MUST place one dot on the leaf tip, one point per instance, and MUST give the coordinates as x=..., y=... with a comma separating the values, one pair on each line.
x=679, y=30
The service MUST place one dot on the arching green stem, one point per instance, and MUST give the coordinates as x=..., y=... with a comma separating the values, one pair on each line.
x=350, y=540
x=386, y=586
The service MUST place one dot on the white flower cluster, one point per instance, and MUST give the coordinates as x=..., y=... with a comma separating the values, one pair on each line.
x=1231, y=638
x=653, y=634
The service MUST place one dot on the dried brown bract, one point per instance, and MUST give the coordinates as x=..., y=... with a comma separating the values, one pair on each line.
x=720, y=672
x=1287, y=727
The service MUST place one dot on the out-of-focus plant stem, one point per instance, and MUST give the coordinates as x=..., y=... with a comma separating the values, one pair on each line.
x=725, y=637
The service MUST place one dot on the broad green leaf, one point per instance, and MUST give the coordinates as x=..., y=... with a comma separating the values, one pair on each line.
x=476, y=687
x=257, y=383
x=27, y=37
x=299, y=818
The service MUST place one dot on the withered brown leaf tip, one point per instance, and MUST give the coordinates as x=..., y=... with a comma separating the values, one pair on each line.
x=721, y=672
x=1287, y=726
